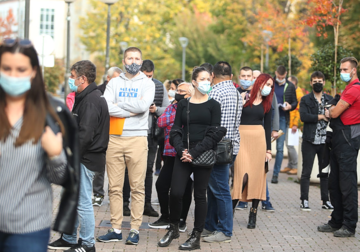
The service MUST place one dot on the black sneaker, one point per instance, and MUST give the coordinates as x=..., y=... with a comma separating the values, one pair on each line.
x=344, y=232
x=274, y=179
x=327, y=206
x=98, y=200
x=126, y=209
x=81, y=248
x=326, y=228
x=149, y=210
x=182, y=226
x=304, y=206
x=61, y=244
x=160, y=223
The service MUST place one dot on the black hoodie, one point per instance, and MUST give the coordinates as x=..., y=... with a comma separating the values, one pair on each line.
x=92, y=115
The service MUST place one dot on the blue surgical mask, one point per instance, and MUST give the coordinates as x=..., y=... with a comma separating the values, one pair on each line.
x=265, y=91
x=280, y=81
x=15, y=86
x=204, y=87
x=245, y=84
x=345, y=77
x=72, y=85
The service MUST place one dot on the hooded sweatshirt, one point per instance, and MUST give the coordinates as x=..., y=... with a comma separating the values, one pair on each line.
x=125, y=96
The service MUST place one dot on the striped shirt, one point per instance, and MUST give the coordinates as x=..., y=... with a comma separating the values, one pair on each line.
x=25, y=191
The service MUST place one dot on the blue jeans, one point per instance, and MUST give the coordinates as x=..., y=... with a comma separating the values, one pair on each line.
x=280, y=146
x=85, y=209
x=219, y=208
x=29, y=242
x=267, y=195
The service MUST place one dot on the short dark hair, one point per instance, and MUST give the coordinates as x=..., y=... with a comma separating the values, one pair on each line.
x=353, y=61
x=246, y=68
x=132, y=49
x=281, y=70
x=317, y=74
x=147, y=66
x=85, y=68
x=196, y=72
x=222, y=68
x=208, y=67
x=294, y=79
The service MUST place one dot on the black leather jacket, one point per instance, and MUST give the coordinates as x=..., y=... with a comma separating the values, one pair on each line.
x=65, y=219
x=309, y=111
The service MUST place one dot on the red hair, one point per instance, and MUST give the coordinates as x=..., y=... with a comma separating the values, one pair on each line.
x=259, y=83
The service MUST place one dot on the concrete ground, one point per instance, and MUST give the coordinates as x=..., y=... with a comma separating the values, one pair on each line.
x=287, y=229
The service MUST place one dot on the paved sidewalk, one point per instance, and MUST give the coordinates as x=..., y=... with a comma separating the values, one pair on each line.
x=287, y=229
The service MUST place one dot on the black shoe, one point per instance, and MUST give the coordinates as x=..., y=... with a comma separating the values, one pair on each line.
x=304, y=206
x=327, y=206
x=172, y=233
x=193, y=242
x=126, y=209
x=252, y=218
x=81, y=248
x=182, y=226
x=149, y=210
x=344, y=232
x=160, y=223
x=274, y=179
x=61, y=244
x=326, y=228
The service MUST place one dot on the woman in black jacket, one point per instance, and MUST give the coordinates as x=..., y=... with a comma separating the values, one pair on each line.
x=204, y=134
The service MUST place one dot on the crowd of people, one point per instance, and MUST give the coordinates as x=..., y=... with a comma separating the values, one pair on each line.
x=205, y=132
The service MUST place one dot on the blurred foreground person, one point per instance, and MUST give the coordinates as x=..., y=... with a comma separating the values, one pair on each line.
x=31, y=154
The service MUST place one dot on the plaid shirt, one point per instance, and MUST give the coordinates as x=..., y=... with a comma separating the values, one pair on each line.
x=166, y=121
x=226, y=94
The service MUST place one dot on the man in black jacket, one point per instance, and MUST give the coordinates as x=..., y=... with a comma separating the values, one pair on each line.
x=92, y=116
x=312, y=113
x=286, y=97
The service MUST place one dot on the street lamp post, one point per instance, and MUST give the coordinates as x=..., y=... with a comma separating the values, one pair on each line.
x=67, y=74
x=267, y=36
x=124, y=46
x=184, y=42
x=27, y=19
x=109, y=3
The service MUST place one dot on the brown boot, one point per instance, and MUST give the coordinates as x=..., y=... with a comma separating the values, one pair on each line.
x=292, y=172
x=285, y=170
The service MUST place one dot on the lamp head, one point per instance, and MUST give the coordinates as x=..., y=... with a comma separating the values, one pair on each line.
x=184, y=41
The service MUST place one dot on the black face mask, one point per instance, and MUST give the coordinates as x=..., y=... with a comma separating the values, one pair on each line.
x=318, y=87
x=179, y=97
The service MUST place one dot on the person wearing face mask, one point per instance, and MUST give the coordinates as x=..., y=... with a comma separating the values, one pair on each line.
x=312, y=113
x=163, y=183
x=190, y=139
x=171, y=87
x=345, y=122
x=129, y=96
x=286, y=97
x=255, y=147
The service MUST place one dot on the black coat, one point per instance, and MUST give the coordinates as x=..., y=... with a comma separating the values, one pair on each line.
x=92, y=115
x=102, y=87
x=65, y=219
x=309, y=111
x=290, y=97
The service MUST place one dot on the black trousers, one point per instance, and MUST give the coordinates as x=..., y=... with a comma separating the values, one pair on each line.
x=309, y=151
x=343, y=180
x=180, y=178
x=163, y=185
x=98, y=183
x=159, y=155
x=152, y=145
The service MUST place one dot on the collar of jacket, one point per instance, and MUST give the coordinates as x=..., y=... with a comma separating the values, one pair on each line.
x=85, y=92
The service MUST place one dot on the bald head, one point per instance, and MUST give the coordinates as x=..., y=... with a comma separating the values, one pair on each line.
x=256, y=74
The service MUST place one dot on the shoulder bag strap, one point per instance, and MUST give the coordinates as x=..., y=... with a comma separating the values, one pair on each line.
x=187, y=122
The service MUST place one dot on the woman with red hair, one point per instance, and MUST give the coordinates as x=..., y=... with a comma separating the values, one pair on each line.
x=255, y=146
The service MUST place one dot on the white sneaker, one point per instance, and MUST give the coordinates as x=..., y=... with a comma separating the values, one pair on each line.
x=304, y=206
x=327, y=206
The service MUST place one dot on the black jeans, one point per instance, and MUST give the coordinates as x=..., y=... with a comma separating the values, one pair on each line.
x=309, y=151
x=180, y=177
x=152, y=145
x=159, y=155
x=98, y=183
x=163, y=185
x=343, y=180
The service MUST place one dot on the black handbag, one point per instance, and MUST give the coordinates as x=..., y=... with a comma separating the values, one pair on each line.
x=224, y=150
x=207, y=158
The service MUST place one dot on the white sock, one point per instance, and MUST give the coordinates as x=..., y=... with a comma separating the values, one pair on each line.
x=134, y=230
x=118, y=231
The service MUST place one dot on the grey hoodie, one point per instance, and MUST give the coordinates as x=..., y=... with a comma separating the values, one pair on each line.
x=125, y=96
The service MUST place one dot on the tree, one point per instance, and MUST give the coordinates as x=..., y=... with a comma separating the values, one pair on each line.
x=53, y=76
x=323, y=60
x=6, y=24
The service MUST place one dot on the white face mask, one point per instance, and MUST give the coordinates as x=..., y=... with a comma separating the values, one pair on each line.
x=172, y=93
x=204, y=87
x=265, y=91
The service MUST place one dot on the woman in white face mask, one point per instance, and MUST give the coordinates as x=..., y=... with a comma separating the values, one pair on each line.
x=255, y=148
x=203, y=129
x=171, y=88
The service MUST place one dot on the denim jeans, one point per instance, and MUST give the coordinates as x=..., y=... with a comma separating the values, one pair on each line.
x=280, y=146
x=29, y=242
x=219, y=208
x=267, y=195
x=85, y=209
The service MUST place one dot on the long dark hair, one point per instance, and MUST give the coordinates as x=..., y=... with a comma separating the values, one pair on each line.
x=267, y=100
x=36, y=102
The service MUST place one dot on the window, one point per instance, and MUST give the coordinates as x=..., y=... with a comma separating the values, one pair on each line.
x=47, y=22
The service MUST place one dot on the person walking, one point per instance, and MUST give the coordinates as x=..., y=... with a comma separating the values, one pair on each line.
x=255, y=148
x=192, y=134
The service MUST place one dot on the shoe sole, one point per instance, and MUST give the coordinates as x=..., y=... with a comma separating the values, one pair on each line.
x=194, y=248
x=327, y=209
x=344, y=236
x=225, y=241
x=158, y=227
x=106, y=241
x=241, y=209
x=131, y=243
x=183, y=230
x=55, y=248
x=305, y=210
x=96, y=204
x=151, y=215
x=271, y=211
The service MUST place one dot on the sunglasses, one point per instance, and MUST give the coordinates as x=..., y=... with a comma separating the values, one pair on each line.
x=22, y=42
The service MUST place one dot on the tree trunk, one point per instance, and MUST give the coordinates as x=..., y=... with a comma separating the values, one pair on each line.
x=289, y=55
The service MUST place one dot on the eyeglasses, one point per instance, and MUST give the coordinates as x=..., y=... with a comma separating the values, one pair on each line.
x=22, y=42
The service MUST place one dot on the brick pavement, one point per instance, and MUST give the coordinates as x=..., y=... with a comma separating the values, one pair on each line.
x=287, y=229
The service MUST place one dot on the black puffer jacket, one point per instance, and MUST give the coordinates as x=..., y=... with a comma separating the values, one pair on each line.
x=213, y=135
